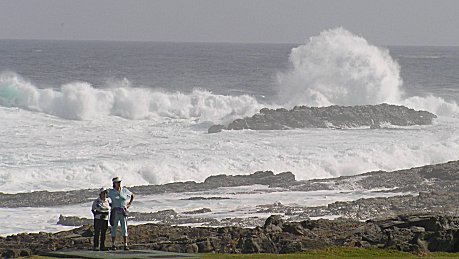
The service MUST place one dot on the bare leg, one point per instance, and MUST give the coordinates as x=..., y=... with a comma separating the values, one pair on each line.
x=125, y=239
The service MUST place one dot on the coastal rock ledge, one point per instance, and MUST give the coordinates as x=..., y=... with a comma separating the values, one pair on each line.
x=418, y=233
x=330, y=117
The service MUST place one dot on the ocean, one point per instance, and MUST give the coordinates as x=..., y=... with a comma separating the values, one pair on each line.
x=74, y=114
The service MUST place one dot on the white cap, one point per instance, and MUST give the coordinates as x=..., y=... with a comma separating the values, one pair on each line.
x=101, y=190
x=116, y=180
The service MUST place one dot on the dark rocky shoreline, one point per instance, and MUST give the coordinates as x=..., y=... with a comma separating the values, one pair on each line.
x=329, y=117
x=50, y=199
x=418, y=233
x=432, y=188
x=424, y=217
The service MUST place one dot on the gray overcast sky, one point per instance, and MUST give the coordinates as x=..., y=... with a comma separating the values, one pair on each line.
x=385, y=22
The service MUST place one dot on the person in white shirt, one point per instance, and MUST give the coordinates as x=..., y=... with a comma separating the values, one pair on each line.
x=121, y=199
x=100, y=209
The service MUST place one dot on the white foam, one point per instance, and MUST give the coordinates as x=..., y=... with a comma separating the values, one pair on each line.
x=42, y=152
x=81, y=101
x=338, y=67
x=242, y=203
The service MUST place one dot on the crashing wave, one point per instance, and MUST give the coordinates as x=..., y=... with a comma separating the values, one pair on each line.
x=340, y=68
x=81, y=101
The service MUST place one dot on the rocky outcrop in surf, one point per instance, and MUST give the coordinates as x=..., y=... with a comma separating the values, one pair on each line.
x=330, y=117
x=49, y=199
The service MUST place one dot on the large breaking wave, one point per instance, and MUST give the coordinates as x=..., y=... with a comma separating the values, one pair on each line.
x=338, y=67
x=334, y=67
x=81, y=101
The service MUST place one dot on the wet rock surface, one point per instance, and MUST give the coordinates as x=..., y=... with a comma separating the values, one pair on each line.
x=405, y=232
x=371, y=116
x=432, y=188
x=422, y=216
x=50, y=199
x=198, y=211
x=165, y=217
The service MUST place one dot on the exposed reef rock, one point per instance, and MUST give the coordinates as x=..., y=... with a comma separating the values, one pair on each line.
x=432, y=188
x=50, y=199
x=419, y=233
x=422, y=217
x=166, y=217
x=330, y=117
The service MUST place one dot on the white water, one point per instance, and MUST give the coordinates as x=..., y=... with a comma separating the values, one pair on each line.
x=42, y=152
x=81, y=101
x=78, y=136
x=338, y=67
x=242, y=203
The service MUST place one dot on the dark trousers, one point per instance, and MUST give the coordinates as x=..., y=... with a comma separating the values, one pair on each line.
x=100, y=229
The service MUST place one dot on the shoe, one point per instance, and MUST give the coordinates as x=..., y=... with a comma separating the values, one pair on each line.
x=113, y=248
x=126, y=248
x=95, y=249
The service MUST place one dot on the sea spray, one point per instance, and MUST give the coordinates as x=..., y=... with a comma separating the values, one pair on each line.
x=338, y=67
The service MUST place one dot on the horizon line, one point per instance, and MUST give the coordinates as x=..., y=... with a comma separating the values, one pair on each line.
x=209, y=42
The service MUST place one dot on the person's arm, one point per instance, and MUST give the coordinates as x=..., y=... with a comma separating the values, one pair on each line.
x=130, y=201
x=94, y=207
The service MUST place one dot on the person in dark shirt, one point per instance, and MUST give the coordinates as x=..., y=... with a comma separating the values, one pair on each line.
x=100, y=209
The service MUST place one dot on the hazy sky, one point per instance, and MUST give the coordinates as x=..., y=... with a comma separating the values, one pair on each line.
x=385, y=22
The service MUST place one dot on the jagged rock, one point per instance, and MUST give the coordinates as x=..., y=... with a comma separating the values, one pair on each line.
x=199, y=211
x=49, y=199
x=273, y=224
x=260, y=177
x=205, y=246
x=73, y=221
x=330, y=117
x=14, y=253
x=216, y=128
x=249, y=245
x=169, y=217
x=199, y=198
x=406, y=232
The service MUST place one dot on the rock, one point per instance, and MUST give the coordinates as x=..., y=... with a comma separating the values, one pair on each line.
x=50, y=199
x=199, y=211
x=273, y=224
x=291, y=247
x=375, y=126
x=260, y=177
x=73, y=221
x=330, y=117
x=216, y=128
x=191, y=248
x=293, y=228
x=250, y=245
x=401, y=232
x=199, y=198
x=205, y=246
x=15, y=252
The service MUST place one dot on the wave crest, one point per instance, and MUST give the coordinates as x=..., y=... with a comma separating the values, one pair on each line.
x=81, y=101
